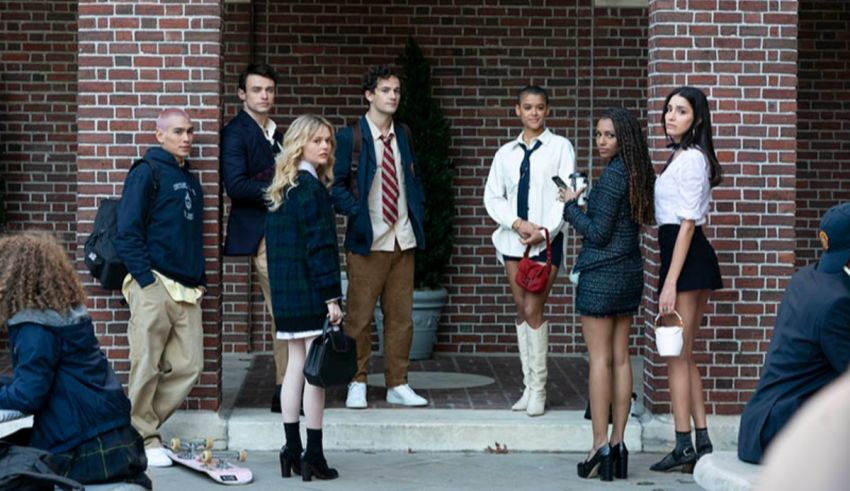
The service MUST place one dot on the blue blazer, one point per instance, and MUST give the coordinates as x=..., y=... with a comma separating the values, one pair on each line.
x=247, y=168
x=809, y=349
x=358, y=235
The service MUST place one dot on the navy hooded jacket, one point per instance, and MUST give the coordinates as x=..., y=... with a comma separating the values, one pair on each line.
x=162, y=232
x=63, y=379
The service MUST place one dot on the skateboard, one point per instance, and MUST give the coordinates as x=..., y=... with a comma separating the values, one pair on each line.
x=199, y=455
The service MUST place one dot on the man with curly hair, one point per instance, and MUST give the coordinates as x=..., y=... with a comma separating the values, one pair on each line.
x=383, y=200
x=160, y=241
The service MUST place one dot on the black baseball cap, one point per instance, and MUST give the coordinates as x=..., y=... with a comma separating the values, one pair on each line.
x=834, y=235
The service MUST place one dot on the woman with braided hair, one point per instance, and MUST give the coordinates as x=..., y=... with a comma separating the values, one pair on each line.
x=610, y=279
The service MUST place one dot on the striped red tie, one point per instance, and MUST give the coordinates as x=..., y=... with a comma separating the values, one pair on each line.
x=389, y=182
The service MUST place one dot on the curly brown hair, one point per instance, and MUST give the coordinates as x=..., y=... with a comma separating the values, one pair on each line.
x=36, y=274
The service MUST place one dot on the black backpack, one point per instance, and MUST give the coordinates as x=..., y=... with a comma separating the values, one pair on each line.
x=100, y=257
x=29, y=469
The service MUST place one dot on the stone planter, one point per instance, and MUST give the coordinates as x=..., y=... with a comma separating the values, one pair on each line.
x=427, y=308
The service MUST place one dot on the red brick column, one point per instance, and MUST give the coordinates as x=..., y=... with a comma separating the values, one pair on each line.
x=743, y=54
x=134, y=60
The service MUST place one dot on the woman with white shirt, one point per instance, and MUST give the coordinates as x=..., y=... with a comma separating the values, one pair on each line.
x=689, y=268
x=522, y=199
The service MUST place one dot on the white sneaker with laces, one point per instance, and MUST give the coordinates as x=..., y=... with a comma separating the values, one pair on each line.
x=404, y=395
x=356, y=396
x=157, y=457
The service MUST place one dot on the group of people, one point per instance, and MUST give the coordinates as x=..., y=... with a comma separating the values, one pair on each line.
x=285, y=190
x=527, y=195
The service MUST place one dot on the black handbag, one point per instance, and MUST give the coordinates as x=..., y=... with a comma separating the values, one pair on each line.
x=332, y=359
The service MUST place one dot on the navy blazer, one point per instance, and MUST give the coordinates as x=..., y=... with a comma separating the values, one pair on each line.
x=810, y=348
x=358, y=235
x=247, y=168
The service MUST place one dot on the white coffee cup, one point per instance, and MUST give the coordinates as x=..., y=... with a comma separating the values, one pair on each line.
x=578, y=180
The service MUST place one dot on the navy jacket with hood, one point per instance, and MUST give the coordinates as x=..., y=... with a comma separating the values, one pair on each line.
x=62, y=378
x=164, y=233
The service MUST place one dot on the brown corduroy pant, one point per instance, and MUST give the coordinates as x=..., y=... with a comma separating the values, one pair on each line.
x=388, y=276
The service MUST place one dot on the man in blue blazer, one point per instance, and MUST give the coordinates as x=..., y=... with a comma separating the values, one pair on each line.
x=249, y=145
x=811, y=340
x=377, y=189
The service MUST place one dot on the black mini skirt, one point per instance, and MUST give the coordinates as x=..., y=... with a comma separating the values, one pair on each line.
x=701, y=270
x=556, y=245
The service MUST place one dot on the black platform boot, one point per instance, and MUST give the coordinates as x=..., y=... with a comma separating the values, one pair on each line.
x=599, y=464
x=620, y=460
x=290, y=454
x=313, y=463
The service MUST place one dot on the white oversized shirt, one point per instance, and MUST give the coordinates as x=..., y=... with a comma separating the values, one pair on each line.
x=683, y=191
x=555, y=156
x=384, y=237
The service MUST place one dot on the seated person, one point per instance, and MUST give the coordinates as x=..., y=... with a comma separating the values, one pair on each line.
x=80, y=412
x=811, y=340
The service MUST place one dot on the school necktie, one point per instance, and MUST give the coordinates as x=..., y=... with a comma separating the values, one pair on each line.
x=389, y=182
x=525, y=181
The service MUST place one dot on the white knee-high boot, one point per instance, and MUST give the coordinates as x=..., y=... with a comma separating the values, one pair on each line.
x=538, y=350
x=522, y=341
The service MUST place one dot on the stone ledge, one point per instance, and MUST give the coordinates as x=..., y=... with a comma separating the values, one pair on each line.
x=722, y=471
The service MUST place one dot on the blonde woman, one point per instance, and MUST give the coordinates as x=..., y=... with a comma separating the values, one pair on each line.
x=304, y=270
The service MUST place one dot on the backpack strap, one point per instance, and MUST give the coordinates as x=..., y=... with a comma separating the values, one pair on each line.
x=155, y=172
x=356, y=136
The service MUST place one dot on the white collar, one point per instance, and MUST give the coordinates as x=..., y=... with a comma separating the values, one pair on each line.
x=304, y=165
x=376, y=132
x=847, y=270
x=543, y=137
x=268, y=130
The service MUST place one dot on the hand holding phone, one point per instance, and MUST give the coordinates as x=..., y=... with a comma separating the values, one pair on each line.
x=560, y=182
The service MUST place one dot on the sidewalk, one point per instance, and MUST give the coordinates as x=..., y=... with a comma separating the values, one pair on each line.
x=399, y=471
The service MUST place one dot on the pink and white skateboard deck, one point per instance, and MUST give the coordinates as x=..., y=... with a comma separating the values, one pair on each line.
x=197, y=455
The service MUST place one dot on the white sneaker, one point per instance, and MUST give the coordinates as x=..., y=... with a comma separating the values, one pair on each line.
x=157, y=457
x=356, y=396
x=404, y=395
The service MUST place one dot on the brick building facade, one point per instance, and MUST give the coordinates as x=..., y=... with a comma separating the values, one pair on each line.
x=81, y=82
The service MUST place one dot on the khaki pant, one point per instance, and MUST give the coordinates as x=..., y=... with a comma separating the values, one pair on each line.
x=388, y=275
x=166, y=356
x=281, y=350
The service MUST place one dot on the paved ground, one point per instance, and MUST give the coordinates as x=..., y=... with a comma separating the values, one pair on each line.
x=566, y=387
x=437, y=471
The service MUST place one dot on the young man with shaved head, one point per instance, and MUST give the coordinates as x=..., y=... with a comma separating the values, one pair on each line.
x=160, y=241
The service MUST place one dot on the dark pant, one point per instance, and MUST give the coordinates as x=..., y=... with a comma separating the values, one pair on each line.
x=117, y=455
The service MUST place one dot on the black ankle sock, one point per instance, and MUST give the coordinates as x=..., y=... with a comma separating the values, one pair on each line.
x=293, y=437
x=314, y=450
x=702, y=439
x=683, y=442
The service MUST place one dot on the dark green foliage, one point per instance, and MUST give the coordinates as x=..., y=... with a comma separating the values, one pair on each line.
x=431, y=141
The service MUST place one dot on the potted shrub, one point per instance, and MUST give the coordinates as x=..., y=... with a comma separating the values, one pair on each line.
x=431, y=140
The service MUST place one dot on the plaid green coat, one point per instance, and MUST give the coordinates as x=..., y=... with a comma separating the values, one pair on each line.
x=303, y=256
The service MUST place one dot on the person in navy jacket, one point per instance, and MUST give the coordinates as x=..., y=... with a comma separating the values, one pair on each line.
x=160, y=240
x=249, y=145
x=62, y=378
x=385, y=207
x=810, y=346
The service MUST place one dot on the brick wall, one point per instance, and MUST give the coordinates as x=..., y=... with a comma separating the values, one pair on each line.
x=481, y=53
x=743, y=54
x=38, y=90
x=134, y=60
x=823, y=119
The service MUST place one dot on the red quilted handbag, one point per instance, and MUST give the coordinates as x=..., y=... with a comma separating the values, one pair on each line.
x=531, y=275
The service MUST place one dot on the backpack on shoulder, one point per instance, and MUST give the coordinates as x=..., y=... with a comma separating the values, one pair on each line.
x=101, y=258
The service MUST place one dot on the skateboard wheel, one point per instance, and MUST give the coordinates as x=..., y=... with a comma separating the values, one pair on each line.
x=206, y=456
x=243, y=456
x=175, y=444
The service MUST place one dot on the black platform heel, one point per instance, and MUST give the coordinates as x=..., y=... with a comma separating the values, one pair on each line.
x=599, y=464
x=620, y=460
x=289, y=462
x=318, y=469
x=682, y=460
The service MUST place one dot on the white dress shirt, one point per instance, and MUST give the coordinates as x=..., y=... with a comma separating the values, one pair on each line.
x=683, y=191
x=554, y=157
x=384, y=237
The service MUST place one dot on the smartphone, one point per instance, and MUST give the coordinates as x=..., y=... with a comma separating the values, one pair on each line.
x=560, y=182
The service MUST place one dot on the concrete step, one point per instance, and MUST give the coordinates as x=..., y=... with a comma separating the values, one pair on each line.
x=436, y=430
x=722, y=471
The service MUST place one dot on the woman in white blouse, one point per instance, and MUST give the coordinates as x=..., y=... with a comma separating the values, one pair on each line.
x=522, y=199
x=689, y=268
